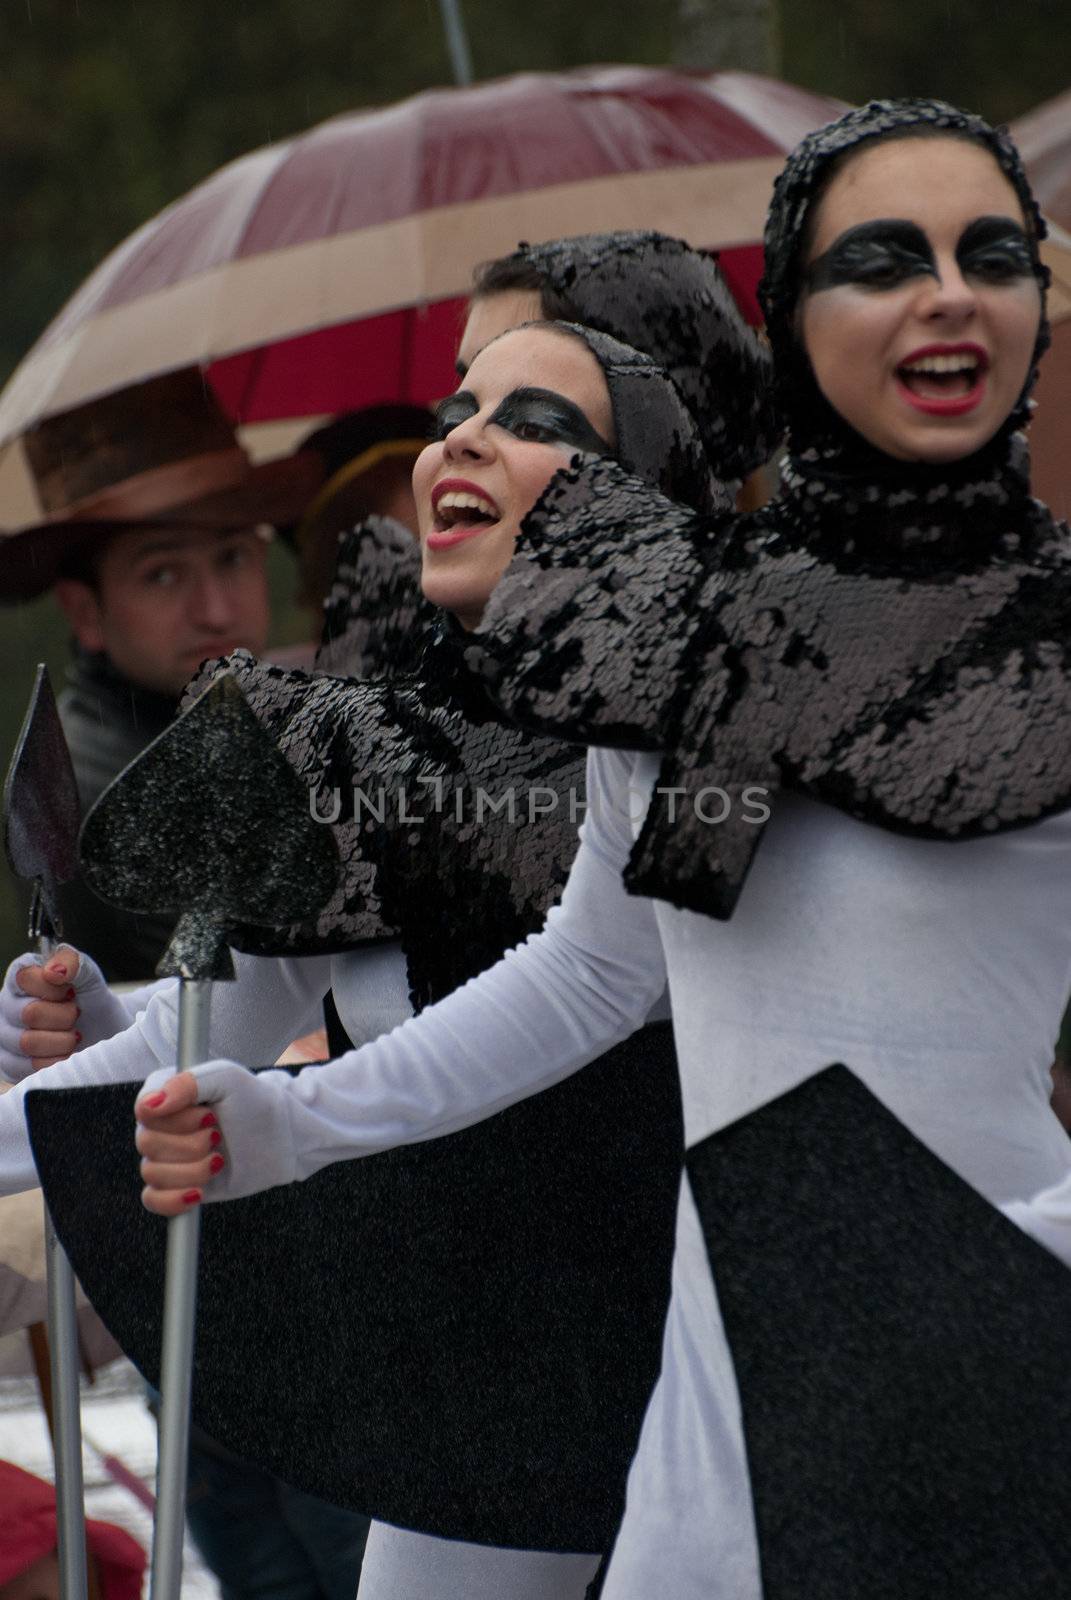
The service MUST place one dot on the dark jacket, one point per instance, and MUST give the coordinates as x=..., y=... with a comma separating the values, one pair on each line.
x=108, y=721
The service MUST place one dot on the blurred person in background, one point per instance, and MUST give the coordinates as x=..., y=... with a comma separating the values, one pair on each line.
x=366, y=459
x=152, y=540
x=619, y=283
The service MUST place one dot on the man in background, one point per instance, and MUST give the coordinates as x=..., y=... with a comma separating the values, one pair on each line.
x=152, y=537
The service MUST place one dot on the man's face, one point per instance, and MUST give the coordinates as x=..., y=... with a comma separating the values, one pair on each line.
x=167, y=599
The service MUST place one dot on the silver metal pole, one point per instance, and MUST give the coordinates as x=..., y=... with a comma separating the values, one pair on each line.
x=66, y=1403
x=457, y=41
x=176, y=1355
x=66, y=1419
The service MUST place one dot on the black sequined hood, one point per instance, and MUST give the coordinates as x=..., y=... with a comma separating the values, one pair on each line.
x=662, y=297
x=658, y=438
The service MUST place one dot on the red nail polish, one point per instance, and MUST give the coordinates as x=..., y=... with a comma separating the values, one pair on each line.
x=77, y=1037
x=209, y=1120
x=216, y=1164
x=215, y=1137
x=191, y=1197
x=155, y=1100
x=69, y=995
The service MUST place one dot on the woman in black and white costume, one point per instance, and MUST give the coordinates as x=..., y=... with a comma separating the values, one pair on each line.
x=744, y=650
x=905, y=303
x=507, y=439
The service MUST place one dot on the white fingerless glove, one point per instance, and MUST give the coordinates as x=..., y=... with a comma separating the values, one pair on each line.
x=102, y=1013
x=254, y=1119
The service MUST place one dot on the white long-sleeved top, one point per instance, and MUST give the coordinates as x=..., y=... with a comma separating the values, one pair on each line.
x=252, y=1020
x=936, y=971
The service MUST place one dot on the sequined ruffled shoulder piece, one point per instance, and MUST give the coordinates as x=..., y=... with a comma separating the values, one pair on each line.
x=435, y=806
x=922, y=687
x=660, y=296
x=374, y=609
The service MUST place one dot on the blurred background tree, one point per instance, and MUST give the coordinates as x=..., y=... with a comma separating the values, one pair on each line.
x=110, y=109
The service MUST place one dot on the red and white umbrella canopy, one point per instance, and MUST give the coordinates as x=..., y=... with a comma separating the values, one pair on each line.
x=324, y=273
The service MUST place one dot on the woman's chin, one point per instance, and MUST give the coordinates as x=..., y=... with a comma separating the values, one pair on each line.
x=465, y=600
x=931, y=446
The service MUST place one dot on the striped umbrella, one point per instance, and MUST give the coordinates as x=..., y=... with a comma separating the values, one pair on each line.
x=325, y=272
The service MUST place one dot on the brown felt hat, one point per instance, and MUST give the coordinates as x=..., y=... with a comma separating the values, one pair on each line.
x=162, y=452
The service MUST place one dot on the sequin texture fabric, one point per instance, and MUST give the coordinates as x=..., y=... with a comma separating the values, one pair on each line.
x=670, y=301
x=433, y=803
x=921, y=684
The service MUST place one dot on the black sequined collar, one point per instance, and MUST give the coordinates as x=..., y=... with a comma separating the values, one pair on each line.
x=881, y=515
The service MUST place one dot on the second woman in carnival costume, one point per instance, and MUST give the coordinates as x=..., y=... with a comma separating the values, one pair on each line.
x=884, y=651
x=468, y=892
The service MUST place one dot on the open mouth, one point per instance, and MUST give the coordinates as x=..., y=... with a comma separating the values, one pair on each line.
x=458, y=513
x=941, y=380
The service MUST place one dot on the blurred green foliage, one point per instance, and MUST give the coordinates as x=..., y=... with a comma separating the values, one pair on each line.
x=999, y=57
x=110, y=109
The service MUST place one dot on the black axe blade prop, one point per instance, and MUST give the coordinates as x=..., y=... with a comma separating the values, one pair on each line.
x=41, y=817
x=211, y=823
x=41, y=808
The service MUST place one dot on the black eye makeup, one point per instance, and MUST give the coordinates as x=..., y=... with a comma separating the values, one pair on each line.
x=886, y=253
x=881, y=254
x=545, y=417
x=537, y=415
x=453, y=411
x=996, y=249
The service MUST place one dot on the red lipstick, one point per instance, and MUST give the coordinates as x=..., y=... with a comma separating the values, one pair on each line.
x=941, y=405
x=445, y=536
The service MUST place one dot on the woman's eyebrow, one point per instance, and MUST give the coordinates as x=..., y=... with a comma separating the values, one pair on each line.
x=464, y=396
x=899, y=229
x=850, y=247
x=530, y=391
x=581, y=430
x=989, y=230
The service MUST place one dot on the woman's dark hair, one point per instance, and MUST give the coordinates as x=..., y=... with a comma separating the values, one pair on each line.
x=517, y=272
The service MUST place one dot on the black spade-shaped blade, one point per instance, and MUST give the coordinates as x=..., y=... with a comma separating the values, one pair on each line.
x=210, y=823
x=41, y=807
x=901, y=1352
